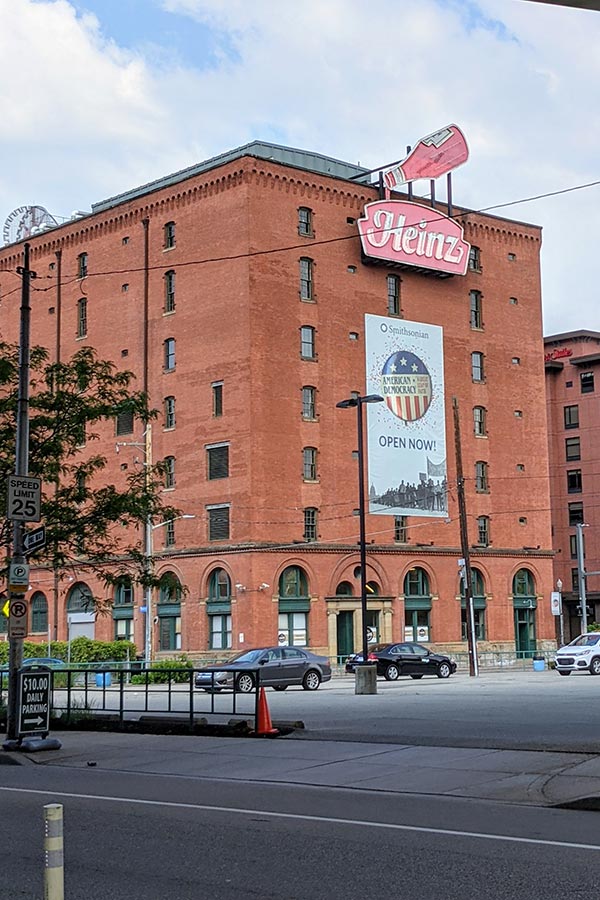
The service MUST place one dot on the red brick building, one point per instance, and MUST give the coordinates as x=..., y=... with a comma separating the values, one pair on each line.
x=572, y=362
x=236, y=291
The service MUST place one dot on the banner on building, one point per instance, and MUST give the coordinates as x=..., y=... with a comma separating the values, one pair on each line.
x=406, y=435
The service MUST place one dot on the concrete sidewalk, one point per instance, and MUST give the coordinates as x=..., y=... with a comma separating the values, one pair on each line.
x=511, y=776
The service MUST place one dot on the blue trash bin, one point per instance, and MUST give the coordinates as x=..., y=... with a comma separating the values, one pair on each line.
x=539, y=663
x=103, y=679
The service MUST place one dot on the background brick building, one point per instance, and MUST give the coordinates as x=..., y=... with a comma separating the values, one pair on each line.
x=236, y=291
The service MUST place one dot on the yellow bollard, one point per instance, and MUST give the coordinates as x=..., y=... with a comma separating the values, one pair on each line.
x=54, y=862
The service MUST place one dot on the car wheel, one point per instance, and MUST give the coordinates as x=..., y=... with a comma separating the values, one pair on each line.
x=279, y=687
x=311, y=680
x=392, y=672
x=416, y=677
x=245, y=683
x=595, y=666
x=560, y=672
x=444, y=670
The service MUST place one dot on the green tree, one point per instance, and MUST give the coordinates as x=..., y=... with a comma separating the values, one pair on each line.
x=91, y=524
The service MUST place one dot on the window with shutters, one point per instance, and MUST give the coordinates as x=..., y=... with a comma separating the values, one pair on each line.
x=125, y=422
x=217, y=461
x=305, y=226
x=307, y=342
x=481, y=477
x=309, y=463
x=218, y=523
x=306, y=279
x=477, y=373
x=479, y=421
x=309, y=402
x=169, y=412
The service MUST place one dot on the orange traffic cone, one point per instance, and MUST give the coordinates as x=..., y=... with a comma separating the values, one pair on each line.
x=264, y=725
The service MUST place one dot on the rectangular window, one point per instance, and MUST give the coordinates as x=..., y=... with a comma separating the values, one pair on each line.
x=125, y=422
x=586, y=380
x=293, y=629
x=218, y=523
x=170, y=534
x=483, y=530
x=572, y=448
x=574, y=481
x=479, y=424
x=575, y=514
x=479, y=616
x=169, y=235
x=477, y=366
x=217, y=399
x=400, y=530
x=475, y=259
x=307, y=342
x=217, y=459
x=571, y=414
x=481, y=477
x=82, y=317
x=309, y=463
x=82, y=265
x=123, y=629
x=305, y=221
x=309, y=402
x=575, y=580
x=306, y=279
x=476, y=314
x=310, y=524
x=169, y=472
x=169, y=360
x=170, y=291
x=220, y=632
x=393, y=295
x=169, y=412
x=573, y=545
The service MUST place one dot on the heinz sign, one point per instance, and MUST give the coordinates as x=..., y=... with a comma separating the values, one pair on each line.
x=413, y=235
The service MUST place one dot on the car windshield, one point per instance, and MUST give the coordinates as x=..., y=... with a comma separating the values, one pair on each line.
x=586, y=640
x=248, y=656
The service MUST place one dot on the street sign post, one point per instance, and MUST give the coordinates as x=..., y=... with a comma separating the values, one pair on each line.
x=33, y=714
x=24, y=498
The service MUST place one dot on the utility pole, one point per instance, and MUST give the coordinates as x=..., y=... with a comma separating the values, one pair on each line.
x=464, y=542
x=15, y=652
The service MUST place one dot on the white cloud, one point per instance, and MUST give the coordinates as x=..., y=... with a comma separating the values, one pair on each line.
x=88, y=118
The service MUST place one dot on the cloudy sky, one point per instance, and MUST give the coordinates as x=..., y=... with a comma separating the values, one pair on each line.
x=99, y=96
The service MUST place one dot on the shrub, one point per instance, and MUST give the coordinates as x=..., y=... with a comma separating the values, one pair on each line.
x=165, y=670
x=83, y=650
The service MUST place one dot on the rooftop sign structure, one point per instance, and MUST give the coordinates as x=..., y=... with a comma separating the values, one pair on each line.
x=432, y=156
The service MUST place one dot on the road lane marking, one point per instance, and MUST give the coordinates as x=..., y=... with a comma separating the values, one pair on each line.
x=329, y=820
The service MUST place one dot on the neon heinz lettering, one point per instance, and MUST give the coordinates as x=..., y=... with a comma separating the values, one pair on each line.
x=413, y=235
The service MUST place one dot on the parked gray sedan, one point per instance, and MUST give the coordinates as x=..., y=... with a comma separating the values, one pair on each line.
x=279, y=667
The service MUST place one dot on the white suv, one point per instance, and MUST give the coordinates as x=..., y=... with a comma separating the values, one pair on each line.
x=582, y=654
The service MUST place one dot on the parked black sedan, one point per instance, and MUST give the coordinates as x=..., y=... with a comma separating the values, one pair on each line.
x=406, y=658
x=279, y=667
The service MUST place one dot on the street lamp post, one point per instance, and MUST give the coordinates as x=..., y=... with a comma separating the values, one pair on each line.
x=148, y=571
x=561, y=620
x=358, y=401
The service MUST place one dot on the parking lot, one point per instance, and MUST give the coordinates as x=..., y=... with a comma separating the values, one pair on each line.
x=500, y=709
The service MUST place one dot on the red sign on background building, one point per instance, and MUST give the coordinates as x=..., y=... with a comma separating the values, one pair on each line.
x=559, y=353
x=413, y=235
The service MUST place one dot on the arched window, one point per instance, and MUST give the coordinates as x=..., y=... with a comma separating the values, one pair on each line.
x=524, y=604
x=123, y=609
x=294, y=605
x=219, y=586
x=80, y=599
x=417, y=605
x=218, y=609
x=344, y=589
x=39, y=613
x=372, y=589
x=169, y=612
x=479, y=604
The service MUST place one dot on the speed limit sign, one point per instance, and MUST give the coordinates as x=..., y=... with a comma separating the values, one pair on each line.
x=24, y=498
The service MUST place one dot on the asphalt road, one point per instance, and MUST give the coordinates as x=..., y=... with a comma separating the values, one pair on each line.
x=135, y=837
x=503, y=710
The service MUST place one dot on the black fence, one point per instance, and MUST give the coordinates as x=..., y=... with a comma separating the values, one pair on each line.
x=80, y=692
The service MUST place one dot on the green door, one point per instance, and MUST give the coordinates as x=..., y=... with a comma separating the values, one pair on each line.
x=525, y=633
x=345, y=634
